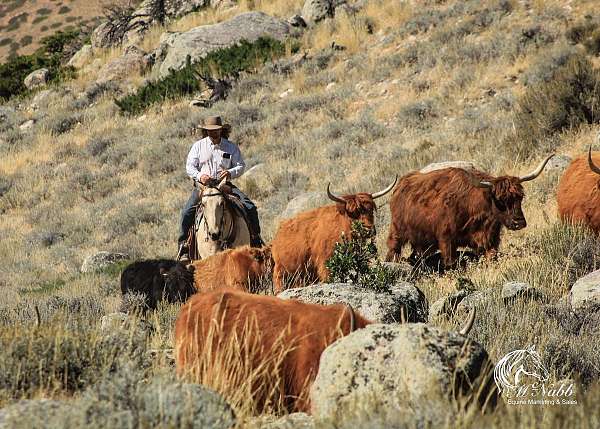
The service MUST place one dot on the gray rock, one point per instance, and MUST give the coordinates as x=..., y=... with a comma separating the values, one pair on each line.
x=317, y=10
x=402, y=269
x=558, y=163
x=258, y=178
x=27, y=125
x=101, y=260
x=81, y=57
x=411, y=367
x=199, y=41
x=479, y=299
x=304, y=202
x=37, y=78
x=585, y=291
x=133, y=60
x=100, y=36
x=465, y=165
x=185, y=405
x=447, y=306
x=513, y=291
x=42, y=98
x=404, y=302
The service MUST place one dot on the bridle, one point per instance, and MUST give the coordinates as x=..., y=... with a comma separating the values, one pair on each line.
x=224, y=241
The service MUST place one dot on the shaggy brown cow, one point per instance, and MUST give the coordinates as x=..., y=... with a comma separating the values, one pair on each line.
x=578, y=193
x=450, y=208
x=304, y=243
x=240, y=268
x=304, y=330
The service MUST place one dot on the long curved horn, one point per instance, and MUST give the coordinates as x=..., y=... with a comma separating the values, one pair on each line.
x=386, y=190
x=593, y=166
x=333, y=197
x=537, y=171
x=467, y=328
x=352, y=318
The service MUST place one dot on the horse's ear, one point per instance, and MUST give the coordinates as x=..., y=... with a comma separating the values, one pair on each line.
x=221, y=184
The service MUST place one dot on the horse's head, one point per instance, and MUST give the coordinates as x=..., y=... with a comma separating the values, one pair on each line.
x=213, y=207
x=532, y=365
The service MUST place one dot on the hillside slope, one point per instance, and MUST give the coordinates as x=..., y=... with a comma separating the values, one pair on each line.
x=417, y=82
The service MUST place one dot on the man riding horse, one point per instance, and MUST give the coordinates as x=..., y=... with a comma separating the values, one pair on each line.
x=214, y=159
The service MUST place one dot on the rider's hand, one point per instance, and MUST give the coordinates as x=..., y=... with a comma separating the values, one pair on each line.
x=204, y=179
x=224, y=174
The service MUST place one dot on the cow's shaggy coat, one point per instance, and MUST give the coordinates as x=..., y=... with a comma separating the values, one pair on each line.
x=304, y=330
x=241, y=268
x=578, y=194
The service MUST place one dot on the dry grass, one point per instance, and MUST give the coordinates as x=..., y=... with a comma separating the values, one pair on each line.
x=115, y=183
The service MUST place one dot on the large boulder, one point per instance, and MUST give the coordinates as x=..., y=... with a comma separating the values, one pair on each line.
x=411, y=367
x=404, y=302
x=290, y=421
x=101, y=260
x=133, y=60
x=448, y=305
x=199, y=41
x=303, y=202
x=37, y=78
x=317, y=10
x=515, y=291
x=586, y=291
x=100, y=37
x=81, y=57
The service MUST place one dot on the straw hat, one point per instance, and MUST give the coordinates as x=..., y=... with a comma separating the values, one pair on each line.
x=214, y=123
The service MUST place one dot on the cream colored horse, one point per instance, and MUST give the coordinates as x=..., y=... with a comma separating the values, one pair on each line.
x=221, y=226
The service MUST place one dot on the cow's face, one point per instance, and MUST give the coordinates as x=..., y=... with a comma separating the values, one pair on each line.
x=507, y=195
x=361, y=208
x=178, y=283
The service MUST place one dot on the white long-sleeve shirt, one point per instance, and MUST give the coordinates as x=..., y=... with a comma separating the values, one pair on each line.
x=207, y=158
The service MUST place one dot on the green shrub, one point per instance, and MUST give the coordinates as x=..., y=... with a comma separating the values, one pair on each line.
x=244, y=56
x=49, y=55
x=354, y=260
x=569, y=99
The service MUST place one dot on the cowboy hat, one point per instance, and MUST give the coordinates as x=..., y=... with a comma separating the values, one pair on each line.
x=213, y=123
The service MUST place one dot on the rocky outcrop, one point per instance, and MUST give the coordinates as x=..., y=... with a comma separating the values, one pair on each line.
x=585, y=292
x=412, y=367
x=81, y=57
x=133, y=60
x=199, y=41
x=37, y=78
x=303, y=202
x=405, y=302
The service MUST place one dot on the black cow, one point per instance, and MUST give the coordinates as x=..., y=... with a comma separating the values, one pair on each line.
x=158, y=279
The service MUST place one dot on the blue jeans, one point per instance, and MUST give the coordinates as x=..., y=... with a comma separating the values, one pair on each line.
x=187, y=215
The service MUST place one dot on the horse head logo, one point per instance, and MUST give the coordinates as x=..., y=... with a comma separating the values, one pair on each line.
x=511, y=369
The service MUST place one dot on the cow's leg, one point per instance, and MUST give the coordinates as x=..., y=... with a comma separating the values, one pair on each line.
x=448, y=251
x=394, y=244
